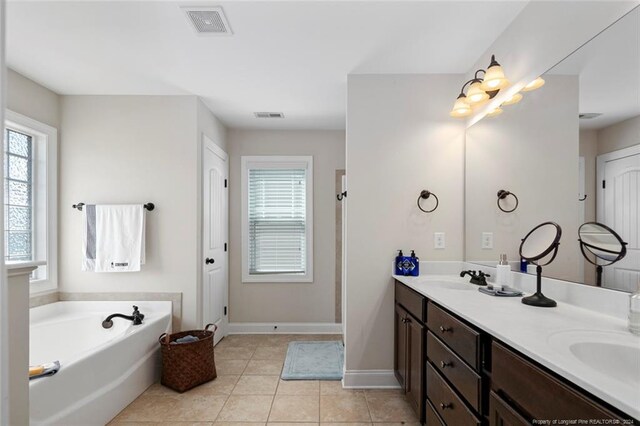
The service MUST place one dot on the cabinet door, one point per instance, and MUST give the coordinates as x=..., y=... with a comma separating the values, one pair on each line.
x=501, y=414
x=400, y=350
x=415, y=365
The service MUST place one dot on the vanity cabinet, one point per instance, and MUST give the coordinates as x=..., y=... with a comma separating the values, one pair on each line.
x=410, y=346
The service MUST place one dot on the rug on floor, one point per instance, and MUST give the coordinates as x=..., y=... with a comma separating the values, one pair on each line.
x=314, y=361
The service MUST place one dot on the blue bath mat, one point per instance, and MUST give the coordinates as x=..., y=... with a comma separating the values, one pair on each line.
x=314, y=361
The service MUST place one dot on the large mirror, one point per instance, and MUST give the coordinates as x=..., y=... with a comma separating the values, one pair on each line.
x=568, y=152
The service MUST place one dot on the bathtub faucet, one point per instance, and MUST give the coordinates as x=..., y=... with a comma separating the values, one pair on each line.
x=136, y=317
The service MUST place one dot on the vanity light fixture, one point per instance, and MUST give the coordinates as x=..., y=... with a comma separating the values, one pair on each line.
x=495, y=112
x=535, y=84
x=461, y=108
x=513, y=100
x=494, y=78
x=475, y=94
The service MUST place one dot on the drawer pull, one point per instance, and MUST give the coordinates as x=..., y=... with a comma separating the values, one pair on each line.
x=445, y=405
x=444, y=329
x=444, y=364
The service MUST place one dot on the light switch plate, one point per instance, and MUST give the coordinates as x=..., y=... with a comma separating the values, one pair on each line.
x=487, y=240
x=438, y=240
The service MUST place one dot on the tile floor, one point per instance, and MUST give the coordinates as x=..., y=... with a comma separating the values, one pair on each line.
x=248, y=391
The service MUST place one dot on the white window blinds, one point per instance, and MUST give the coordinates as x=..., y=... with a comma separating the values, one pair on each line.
x=277, y=221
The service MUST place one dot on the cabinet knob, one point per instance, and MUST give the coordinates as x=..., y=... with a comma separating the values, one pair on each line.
x=444, y=329
x=445, y=364
x=445, y=405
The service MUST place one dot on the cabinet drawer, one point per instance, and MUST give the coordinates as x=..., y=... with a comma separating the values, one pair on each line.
x=413, y=302
x=501, y=414
x=536, y=392
x=466, y=381
x=464, y=340
x=433, y=419
x=445, y=401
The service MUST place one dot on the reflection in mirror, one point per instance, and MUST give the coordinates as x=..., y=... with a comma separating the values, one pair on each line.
x=540, y=247
x=603, y=243
x=571, y=151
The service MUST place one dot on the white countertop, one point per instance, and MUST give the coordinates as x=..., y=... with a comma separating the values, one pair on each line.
x=530, y=330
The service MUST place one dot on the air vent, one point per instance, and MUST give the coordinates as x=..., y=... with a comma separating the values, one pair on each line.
x=589, y=115
x=208, y=20
x=268, y=114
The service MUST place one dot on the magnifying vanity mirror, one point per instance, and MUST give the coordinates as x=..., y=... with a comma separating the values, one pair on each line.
x=570, y=150
x=603, y=243
x=540, y=247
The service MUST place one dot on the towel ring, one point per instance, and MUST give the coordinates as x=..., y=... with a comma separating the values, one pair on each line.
x=424, y=194
x=502, y=194
x=341, y=195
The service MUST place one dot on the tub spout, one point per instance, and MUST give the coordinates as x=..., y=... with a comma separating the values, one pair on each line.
x=136, y=317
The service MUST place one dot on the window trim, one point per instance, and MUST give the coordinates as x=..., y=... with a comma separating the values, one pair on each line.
x=269, y=161
x=45, y=149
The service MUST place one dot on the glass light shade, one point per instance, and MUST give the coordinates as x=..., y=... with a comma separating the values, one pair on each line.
x=461, y=108
x=494, y=79
x=535, y=84
x=475, y=94
x=494, y=112
x=513, y=100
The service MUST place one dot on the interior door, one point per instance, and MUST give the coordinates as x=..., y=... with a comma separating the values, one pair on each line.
x=621, y=198
x=344, y=260
x=215, y=283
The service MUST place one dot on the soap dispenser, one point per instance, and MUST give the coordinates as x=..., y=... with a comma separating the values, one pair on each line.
x=503, y=273
x=416, y=264
x=398, y=263
x=634, y=311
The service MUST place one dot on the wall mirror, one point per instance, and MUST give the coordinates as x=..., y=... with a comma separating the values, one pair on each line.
x=570, y=151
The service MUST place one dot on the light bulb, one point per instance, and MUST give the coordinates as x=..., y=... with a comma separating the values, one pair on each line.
x=535, y=84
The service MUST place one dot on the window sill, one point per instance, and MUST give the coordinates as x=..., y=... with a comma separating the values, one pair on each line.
x=283, y=279
x=24, y=264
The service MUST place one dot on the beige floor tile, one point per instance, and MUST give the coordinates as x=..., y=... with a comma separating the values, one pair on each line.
x=291, y=424
x=115, y=423
x=196, y=408
x=278, y=339
x=233, y=352
x=344, y=408
x=256, y=385
x=397, y=424
x=270, y=352
x=149, y=408
x=242, y=340
x=383, y=392
x=239, y=424
x=345, y=424
x=234, y=367
x=298, y=387
x=221, y=385
x=295, y=408
x=334, y=387
x=264, y=367
x=246, y=408
x=390, y=409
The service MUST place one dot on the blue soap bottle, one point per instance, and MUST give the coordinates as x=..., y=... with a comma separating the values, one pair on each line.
x=415, y=261
x=398, y=263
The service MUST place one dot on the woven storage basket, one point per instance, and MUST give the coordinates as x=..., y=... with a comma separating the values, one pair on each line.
x=187, y=365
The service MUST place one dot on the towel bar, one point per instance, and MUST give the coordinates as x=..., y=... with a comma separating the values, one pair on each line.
x=148, y=206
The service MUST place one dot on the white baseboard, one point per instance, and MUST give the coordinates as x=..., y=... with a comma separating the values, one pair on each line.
x=370, y=379
x=284, y=328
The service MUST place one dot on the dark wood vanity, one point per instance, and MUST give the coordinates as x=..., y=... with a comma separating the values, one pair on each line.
x=455, y=374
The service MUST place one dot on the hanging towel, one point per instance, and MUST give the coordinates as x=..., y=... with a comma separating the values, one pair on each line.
x=113, y=238
x=44, y=370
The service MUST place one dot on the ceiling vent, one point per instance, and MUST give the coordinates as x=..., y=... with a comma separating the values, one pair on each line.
x=268, y=114
x=589, y=115
x=208, y=20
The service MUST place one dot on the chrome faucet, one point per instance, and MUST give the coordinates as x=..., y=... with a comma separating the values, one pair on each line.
x=477, y=277
x=136, y=317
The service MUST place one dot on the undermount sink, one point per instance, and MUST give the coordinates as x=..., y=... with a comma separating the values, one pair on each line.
x=615, y=355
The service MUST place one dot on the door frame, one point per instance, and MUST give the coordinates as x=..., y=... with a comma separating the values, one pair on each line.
x=601, y=161
x=208, y=144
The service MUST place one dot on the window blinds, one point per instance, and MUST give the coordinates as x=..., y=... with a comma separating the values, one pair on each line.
x=277, y=221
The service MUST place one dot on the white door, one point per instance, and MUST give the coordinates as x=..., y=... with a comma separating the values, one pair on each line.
x=215, y=282
x=344, y=259
x=618, y=209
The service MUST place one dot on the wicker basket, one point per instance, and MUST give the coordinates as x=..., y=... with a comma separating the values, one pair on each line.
x=187, y=365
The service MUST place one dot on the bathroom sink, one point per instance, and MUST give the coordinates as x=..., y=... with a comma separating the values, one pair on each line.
x=452, y=285
x=613, y=354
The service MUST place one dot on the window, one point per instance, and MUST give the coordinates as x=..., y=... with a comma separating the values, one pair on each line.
x=277, y=215
x=30, y=180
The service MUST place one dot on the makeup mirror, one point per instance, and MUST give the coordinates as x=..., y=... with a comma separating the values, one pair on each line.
x=603, y=243
x=540, y=247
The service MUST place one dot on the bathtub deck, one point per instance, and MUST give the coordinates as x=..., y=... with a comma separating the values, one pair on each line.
x=249, y=389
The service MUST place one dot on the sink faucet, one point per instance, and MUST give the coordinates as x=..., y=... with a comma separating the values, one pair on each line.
x=136, y=317
x=477, y=277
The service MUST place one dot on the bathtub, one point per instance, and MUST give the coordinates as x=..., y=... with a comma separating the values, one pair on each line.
x=102, y=370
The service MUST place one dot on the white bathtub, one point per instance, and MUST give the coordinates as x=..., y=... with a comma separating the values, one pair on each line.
x=102, y=370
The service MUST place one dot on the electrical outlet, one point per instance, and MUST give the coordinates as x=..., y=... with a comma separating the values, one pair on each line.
x=487, y=240
x=438, y=240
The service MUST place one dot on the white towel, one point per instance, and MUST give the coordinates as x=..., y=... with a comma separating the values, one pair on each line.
x=113, y=238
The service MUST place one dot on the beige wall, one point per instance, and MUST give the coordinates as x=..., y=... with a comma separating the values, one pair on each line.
x=28, y=98
x=400, y=140
x=618, y=136
x=531, y=150
x=287, y=302
x=131, y=149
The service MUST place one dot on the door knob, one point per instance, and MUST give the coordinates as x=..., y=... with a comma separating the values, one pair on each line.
x=209, y=261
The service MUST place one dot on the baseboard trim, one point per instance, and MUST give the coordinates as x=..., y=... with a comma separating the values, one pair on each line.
x=370, y=379
x=284, y=328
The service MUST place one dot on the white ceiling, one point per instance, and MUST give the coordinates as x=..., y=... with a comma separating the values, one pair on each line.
x=609, y=73
x=291, y=57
